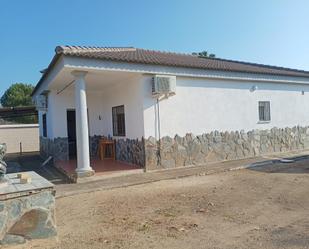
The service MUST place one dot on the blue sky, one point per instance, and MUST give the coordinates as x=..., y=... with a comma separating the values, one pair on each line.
x=266, y=31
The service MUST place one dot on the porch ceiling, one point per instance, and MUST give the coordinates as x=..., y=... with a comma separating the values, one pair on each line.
x=95, y=80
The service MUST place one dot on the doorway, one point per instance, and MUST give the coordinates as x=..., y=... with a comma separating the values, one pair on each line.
x=71, y=129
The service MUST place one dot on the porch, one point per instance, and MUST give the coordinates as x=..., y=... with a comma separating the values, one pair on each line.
x=86, y=106
x=102, y=168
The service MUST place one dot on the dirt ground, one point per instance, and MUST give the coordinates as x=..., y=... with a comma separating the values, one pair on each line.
x=260, y=208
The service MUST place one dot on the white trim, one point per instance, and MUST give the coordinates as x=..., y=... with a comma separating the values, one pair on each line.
x=19, y=126
x=264, y=122
x=75, y=63
x=51, y=75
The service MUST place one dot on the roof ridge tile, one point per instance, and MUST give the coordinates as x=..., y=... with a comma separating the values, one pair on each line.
x=167, y=52
x=67, y=48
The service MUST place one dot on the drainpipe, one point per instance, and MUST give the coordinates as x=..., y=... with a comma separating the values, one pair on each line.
x=159, y=133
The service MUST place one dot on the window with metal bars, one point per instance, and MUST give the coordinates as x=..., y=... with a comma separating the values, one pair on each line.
x=118, y=121
x=264, y=111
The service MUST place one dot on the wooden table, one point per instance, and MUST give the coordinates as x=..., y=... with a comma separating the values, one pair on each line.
x=105, y=143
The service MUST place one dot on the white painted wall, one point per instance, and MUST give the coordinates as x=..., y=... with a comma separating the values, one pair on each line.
x=128, y=93
x=200, y=105
x=100, y=103
x=57, y=112
x=20, y=136
x=204, y=105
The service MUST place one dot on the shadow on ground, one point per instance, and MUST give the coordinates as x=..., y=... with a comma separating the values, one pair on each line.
x=292, y=165
x=33, y=162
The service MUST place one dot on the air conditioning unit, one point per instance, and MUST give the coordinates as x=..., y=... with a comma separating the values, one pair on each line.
x=163, y=85
x=41, y=102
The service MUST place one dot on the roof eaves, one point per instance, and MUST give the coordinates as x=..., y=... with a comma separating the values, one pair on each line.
x=259, y=65
x=46, y=72
x=201, y=67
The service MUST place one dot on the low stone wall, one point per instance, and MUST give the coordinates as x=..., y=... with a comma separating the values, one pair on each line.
x=131, y=151
x=27, y=211
x=219, y=146
x=127, y=150
x=58, y=148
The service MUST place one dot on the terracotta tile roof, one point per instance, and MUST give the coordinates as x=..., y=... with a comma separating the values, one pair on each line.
x=143, y=56
x=151, y=57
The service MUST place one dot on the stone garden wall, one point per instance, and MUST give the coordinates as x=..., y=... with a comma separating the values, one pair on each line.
x=219, y=146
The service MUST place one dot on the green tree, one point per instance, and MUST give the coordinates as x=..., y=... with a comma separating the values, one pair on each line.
x=19, y=94
x=204, y=54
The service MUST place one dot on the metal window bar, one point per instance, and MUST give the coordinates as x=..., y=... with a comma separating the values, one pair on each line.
x=118, y=121
x=264, y=110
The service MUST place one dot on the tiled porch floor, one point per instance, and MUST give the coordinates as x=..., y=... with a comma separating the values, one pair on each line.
x=101, y=167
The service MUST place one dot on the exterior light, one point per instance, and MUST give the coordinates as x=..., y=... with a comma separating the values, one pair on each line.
x=254, y=88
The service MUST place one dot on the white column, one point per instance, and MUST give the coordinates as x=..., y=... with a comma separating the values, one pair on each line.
x=82, y=136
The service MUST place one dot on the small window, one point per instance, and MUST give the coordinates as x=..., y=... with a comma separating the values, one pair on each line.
x=44, y=125
x=264, y=111
x=118, y=121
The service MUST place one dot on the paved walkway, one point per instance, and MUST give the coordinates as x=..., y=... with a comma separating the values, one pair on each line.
x=63, y=190
x=33, y=162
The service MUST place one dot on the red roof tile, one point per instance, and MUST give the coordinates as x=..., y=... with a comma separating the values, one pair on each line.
x=136, y=55
x=151, y=57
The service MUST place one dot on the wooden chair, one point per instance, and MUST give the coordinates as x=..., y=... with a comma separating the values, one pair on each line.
x=104, y=144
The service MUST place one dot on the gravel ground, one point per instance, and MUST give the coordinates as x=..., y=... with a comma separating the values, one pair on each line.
x=261, y=208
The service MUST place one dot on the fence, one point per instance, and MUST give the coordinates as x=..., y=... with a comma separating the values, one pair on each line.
x=20, y=137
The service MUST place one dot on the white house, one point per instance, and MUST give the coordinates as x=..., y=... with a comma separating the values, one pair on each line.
x=204, y=109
